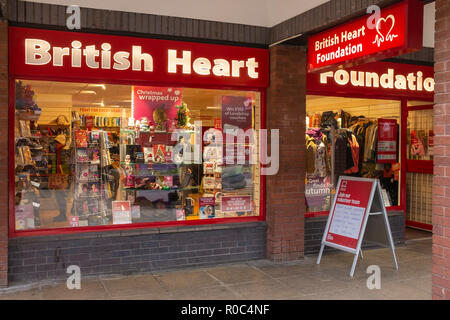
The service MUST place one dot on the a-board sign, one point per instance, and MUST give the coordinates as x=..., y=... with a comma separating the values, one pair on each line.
x=358, y=212
x=348, y=212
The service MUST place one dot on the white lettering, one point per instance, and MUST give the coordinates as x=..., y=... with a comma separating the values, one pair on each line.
x=251, y=67
x=341, y=77
x=387, y=79
x=36, y=52
x=236, y=65
x=221, y=68
x=121, y=61
x=173, y=61
x=139, y=57
x=202, y=66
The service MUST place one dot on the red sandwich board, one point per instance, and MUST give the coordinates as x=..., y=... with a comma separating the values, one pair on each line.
x=357, y=213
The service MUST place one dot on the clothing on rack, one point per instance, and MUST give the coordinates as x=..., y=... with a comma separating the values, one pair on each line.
x=317, y=153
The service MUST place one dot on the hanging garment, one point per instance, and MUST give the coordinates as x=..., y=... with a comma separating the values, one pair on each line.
x=317, y=153
x=355, y=155
x=328, y=119
x=320, y=160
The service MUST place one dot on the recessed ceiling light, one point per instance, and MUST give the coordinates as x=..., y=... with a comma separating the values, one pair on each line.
x=99, y=85
x=88, y=91
x=213, y=107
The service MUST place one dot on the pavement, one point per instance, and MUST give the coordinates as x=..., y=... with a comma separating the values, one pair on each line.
x=261, y=279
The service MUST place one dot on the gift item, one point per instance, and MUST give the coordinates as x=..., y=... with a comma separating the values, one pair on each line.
x=168, y=181
x=148, y=155
x=81, y=140
x=158, y=153
x=206, y=207
x=82, y=155
x=84, y=173
x=180, y=215
x=94, y=156
x=209, y=182
x=93, y=172
x=208, y=168
x=233, y=178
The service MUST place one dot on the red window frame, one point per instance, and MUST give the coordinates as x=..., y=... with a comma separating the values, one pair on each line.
x=13, y=233
x=403, y=126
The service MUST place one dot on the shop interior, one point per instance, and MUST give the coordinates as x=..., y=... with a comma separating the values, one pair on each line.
x=81, y=159
x=342, y=139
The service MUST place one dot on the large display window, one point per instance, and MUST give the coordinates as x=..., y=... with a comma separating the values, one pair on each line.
x=352, y=137
x=92, y=154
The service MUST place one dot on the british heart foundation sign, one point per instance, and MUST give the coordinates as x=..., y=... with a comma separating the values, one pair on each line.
x=398, y=30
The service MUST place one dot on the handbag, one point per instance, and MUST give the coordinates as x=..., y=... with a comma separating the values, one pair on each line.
x=58, y=181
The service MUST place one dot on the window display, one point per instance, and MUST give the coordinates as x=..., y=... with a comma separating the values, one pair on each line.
x=100, y=154
x=347, y=140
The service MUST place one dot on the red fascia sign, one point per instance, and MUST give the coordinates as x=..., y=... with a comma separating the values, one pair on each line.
x=75, y=55
x=348, y=213
x=398, y=30
x=376, y=79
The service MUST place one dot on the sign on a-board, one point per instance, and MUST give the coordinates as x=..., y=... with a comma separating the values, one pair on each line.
x=358, y=212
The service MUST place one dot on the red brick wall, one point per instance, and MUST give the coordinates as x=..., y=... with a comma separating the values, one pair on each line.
x=441, y=182
x=286, y=108
x=3, y=154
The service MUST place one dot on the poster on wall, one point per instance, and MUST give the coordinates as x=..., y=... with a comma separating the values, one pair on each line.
x=236, y=115
x=156, y=106
x=387, y=141
x=121, y=211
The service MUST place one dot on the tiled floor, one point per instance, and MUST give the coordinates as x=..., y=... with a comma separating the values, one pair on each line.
x=263, y=279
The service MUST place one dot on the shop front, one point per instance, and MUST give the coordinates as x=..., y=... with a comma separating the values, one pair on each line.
x=117, y=154
x=373, y=121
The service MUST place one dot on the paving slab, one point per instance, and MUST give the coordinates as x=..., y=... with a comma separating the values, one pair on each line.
x=186, y=280
x=121, y=287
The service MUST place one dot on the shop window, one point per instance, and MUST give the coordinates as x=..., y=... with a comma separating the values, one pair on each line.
x=343, y=139
x=101, y=154
x=419, y=131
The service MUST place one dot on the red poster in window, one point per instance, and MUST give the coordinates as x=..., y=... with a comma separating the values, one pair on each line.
x=387, y=141
x=348, y=213
x=156, y=105
x=236, y=203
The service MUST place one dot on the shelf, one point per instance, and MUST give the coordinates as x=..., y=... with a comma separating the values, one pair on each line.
x=172, y=189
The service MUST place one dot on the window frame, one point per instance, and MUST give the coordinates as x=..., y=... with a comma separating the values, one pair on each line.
x=13, y=233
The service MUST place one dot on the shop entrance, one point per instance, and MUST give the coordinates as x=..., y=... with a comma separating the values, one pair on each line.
x=419, y=154
x=342, y=139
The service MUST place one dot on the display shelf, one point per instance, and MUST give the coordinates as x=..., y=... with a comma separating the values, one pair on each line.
x=171, y=189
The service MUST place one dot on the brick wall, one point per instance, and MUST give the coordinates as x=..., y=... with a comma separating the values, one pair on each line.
x=3, y=153
x=126, y=252
x=315, y=226
x=286, y=105
x=441, y=181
